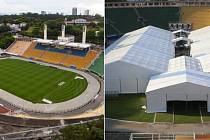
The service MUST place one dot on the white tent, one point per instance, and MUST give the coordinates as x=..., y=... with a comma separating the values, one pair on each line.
x=135, y=57
x=184, y=81
x=143, y=61
x=200, y=48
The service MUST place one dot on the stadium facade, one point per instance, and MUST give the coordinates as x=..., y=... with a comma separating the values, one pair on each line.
x=143, y=61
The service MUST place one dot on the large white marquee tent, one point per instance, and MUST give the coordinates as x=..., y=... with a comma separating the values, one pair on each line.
x=135, y=57
x=143, y=61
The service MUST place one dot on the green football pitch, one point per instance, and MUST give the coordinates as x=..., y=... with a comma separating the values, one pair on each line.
x=34, y=82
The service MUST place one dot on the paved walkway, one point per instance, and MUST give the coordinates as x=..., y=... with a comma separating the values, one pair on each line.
x=163, y=128
x=86, y=97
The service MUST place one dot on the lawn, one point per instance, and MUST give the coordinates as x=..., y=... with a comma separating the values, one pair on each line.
x=98, y=65
x=164, y=117
x=128, y=107
x=34, y=82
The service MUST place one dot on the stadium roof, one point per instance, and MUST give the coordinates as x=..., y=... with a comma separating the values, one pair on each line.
x=70, y=44
x=78, y=45
x=46, y=41
x=149, y=45
x=181, y=69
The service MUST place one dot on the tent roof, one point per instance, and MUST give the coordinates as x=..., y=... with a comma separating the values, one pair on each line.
x=204, y=59
x=181, y=69
x=200, y=34
x=170, y=79
x=184, y=63
x=149, y=45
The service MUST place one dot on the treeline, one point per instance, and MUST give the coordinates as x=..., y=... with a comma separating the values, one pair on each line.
x=35, y=23
x=6, y=37
x=89, y=131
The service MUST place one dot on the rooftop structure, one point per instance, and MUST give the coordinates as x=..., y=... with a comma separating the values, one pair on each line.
x=77, y=21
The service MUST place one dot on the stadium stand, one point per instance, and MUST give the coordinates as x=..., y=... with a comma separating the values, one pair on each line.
x=138, y=18
x=98, y=65
x=80, y=62
x=19, y=47
x=33, y=53
x=53, y=57
x=198, y=16
x=68, y=57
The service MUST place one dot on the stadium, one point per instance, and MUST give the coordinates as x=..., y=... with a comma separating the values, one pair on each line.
x=156, y=68
x=51, y=82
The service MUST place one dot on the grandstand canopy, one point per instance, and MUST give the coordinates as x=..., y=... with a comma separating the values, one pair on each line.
x=62, y=43
x=44, y=41
x=78, y=45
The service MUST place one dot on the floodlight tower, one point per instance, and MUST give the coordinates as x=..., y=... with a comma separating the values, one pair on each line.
x=84, y=34
x=63, y=30
x=45, y=31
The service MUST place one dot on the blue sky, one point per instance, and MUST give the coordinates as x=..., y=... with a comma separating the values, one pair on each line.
x=53, y=6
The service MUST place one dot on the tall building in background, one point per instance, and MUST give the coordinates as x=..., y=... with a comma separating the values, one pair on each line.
x=74, y=11
x=87, y=12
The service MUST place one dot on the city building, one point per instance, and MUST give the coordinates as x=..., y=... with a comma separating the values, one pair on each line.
x=74, y=11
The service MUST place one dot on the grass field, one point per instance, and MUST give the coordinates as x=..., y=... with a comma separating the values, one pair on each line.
x=98, y=65
x=34, y=82
x=129, y=107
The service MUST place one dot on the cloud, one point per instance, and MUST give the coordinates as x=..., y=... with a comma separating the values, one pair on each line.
x=53, y=6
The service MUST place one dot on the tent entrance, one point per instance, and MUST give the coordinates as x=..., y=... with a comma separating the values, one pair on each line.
x=183, y=107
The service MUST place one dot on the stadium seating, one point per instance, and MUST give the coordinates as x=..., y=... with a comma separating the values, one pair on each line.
x=41, y=47
x=52, y=57
x=19, y=47
x=78, y=59
x=31, y=52
x=80, y=62
x=137, y=18
x=63, y=50
x=79, y=52
x=198, y=16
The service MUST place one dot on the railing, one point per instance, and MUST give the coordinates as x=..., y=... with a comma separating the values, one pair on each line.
x=142, y=4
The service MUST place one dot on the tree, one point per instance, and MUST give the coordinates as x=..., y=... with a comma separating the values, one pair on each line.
x=89, y=131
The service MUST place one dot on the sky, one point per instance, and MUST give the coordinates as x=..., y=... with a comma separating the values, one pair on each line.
x=52, y=6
